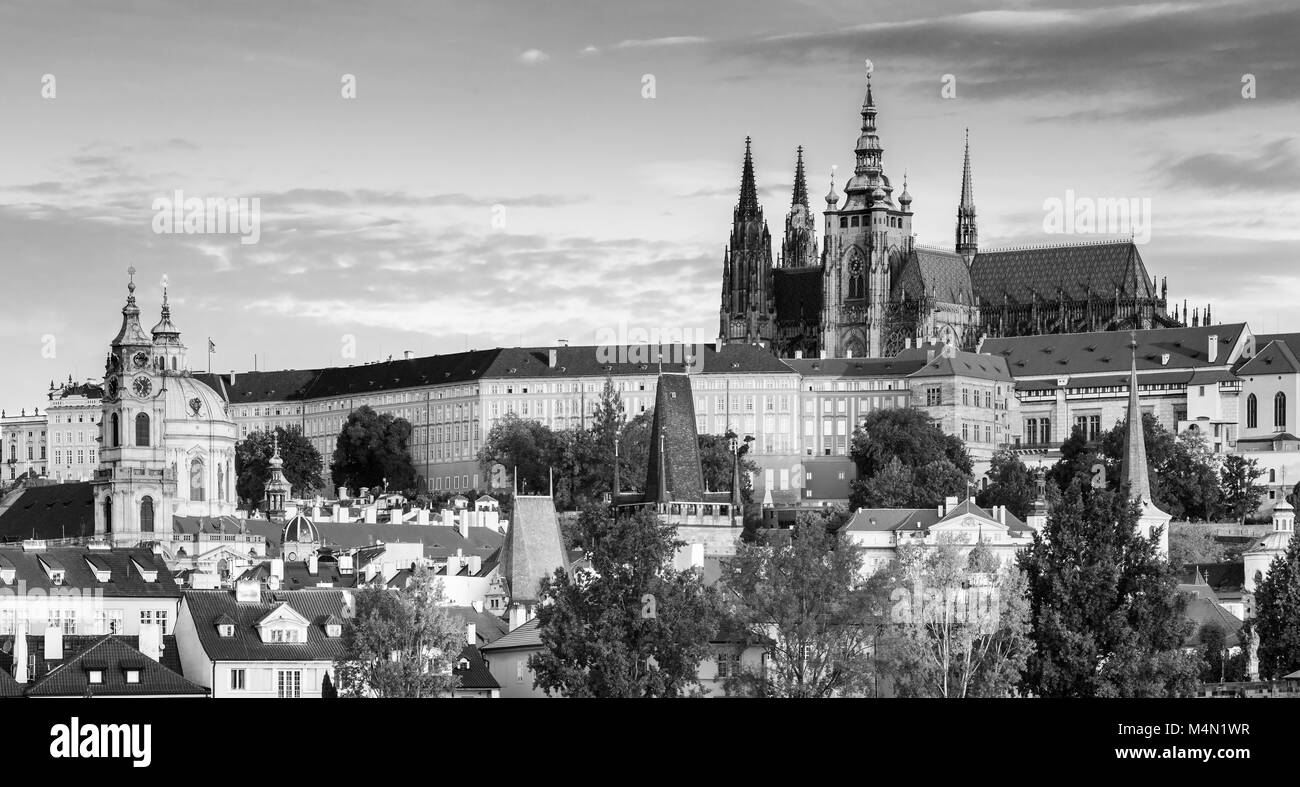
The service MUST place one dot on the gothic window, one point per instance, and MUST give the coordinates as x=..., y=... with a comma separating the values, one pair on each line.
x=146, y=514
x=142, y=429
x=117, y=440
x=1279, y=409
x=196, y=480
x=1252, y=412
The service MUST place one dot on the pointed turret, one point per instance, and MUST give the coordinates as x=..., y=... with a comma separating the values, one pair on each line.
x=800, y=196
x=165, y=332
x=277, y=486
x=748, y=310
x=748, y=207
x=799, y=246
x=1135, y=450
x=131, y=334
x=967, y=233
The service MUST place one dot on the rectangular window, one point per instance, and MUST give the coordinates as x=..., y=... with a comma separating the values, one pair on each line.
x=237, y=679
x=288, y=683
x=933, y=397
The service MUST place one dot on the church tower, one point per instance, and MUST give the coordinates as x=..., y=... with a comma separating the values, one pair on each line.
x=967, y=234
x=799, y=247
x=1136, y=480
x=748, y=313
x=867, y=242
x=133, y=486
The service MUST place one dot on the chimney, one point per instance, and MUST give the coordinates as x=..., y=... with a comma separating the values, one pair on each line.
x=907, y=343
x=313, y=564
x=949, y=503
x=717, y=345
x=1212, y=354
x=798, y=355
x=552, y=353
x=371, y=516
x=823, y=355
x=848, y=354
x=929, y=353
x=277, y=568
x=475, y=564
x=471, y=634
x=53, y=643
x=20, y=651
x=422, y=516
x=151, y=640
x=477, y=605
x=342, y=493
x=407, y=355
x=232, y=378
x=463, y=525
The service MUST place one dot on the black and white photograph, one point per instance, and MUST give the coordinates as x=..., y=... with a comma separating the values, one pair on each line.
x=696, y=349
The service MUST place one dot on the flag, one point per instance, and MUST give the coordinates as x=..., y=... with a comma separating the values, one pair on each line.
x=211, y=347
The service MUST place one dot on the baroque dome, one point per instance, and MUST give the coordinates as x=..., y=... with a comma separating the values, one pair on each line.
x=189, y=400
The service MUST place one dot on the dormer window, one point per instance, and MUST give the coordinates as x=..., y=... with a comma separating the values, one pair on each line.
x=148, y=574
x=463, y=664
x=333, y=630
x=285, y=635
x=133, y=676
x=95, y=676
x=226, y=630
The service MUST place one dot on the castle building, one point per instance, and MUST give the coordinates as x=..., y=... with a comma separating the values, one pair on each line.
x=73, y=414
x=167, y=447
x=873, y=291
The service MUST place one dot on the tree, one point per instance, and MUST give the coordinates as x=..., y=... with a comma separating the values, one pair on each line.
x=634, y=451
x=937, y=464
x=717, y=462
x=1011, y=484
x=1277, y=614
x=373, y=450
x=1221, y=664
x=891, y=487
x=1190, y=479
x=1189, y=543
x=800, y=593
x=1241, y=495
x=400, y=643
x=632, y=625
x=1106, y=613
x=959, y=623
x=302, y=464
x=528, y=450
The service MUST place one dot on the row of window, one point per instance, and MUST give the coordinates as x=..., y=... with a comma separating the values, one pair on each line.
x=1279, y=411
x=105, y=621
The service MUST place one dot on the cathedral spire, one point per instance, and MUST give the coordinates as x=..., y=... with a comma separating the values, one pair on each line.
x=748, y=206
x=1135, y=450
x=800, y=184
x=967, y=233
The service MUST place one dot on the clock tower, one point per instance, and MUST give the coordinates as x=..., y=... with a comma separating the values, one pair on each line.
x=134, y=485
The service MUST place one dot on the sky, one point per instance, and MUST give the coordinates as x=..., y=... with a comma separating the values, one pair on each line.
x=438, y=176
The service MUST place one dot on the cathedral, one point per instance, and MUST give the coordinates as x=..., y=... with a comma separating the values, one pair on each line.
x=871, y=290
x=167, y=444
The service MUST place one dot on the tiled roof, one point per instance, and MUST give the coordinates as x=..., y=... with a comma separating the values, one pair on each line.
x=941, y=275
x=124, y=578
x=439, y=541
x=922, y=519
x=798, y=294
x=250, y=387
x=114, y=656
x=296, y=575
x=1275, y=358
x=591, y=360
x=487, y=627
x=673, y=428
x=111, y=651
x=1204, y=608
x=534, y=547
x=476, y=675
x=525, y=636
x=1071, y=271
x=966, y=364
x=8, y=686
x=52, y=511
x=899, y=366
x=1108, y=351
x=205, y=606
x=1222, y=577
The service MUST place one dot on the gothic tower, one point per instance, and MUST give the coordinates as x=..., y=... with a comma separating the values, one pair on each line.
x=1136, y=479
x=748, y=313
x=866, y=245
x=967, y=234
x=799, y=247
x=133, y=486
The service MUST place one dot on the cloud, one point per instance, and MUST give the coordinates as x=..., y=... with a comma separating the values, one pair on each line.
x=641, y=43
x=1273, y=169
x=533, y=57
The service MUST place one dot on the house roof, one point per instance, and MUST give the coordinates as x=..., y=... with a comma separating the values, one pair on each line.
x=124, y=580
x=50, y=511
x=439, y=541
x=1069, y=271
x=476, y=675
x=487, y=627
x=960, y=363
x=899, y=366
x=525, y=636
x=316, y=605
x=934, y=273
x=1221, y=577
x=922, y=519
x=1100, y=352
x=1204, y=608
x=296, y=576
x=1275, y=358
x=534, y=547
x=68, y=677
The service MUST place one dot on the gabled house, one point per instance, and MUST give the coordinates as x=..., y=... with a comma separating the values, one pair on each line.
x=88, y=666
x=883, y=530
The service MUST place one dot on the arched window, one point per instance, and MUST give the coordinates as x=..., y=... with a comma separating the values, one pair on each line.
x=116, y=434
x=108, y=514
x=1279, y=409
x=1252, y=412
x=173, y=363
x=142, y=429
x=1272, y=475
x=146, y=514
x=196, y=480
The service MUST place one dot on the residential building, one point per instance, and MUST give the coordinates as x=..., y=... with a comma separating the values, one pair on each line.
x=23, y=445
x=73, y=424
x=52, y=665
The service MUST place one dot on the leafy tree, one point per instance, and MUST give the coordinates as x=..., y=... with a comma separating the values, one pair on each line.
x=959, y=623
x=1190, y=544
x=634, y=451
x=1190, y=479
x=1241, y=495
x=937, y=463
x=528, y=450
x=302, y=464
x=800, y=593
x=1220, y=663
x=1106, y=613
x=891, y=487
x=599, y=638
x=373, y=450
x=400, y=643
x=1277, y=614
x=1011, y=484
x=717, y=462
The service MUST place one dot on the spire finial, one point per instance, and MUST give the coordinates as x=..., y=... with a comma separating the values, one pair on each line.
x=130, y=284
x=800, y=184
x=748, y=207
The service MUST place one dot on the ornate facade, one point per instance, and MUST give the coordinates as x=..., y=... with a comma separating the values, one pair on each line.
x=871, y=290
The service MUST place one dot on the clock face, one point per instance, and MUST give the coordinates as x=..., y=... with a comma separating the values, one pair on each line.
x=141, y=359
x=141, y=386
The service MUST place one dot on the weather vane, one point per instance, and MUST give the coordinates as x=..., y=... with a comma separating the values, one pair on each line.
x=870, y=67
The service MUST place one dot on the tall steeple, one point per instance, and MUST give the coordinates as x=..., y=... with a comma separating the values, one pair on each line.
x=967, y=234
x=131, y=334
x=748, y=311
x=799, y=246
x=1135, y=449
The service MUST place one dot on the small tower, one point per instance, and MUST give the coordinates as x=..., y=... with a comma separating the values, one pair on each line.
x=799, y=247
x=1136, y=479
x=1259, y=557
x=277, y=487
x=748, y=310
x=967, y=233
x=169, y=352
